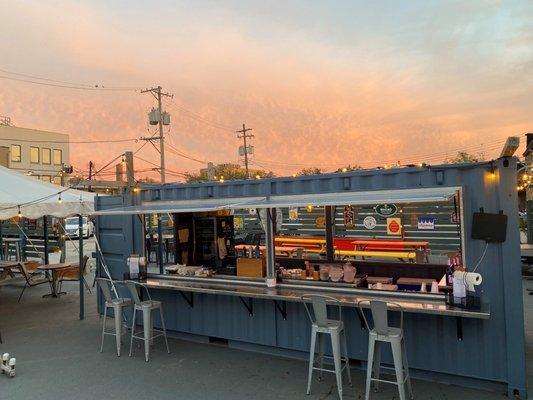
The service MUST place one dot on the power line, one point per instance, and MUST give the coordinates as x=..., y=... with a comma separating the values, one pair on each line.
x=72, y=142
x=68, y=84
x=115, y=89
x=200, y=118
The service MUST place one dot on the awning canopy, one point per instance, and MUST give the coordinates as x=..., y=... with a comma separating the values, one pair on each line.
x=36, y=198
x=422, y=195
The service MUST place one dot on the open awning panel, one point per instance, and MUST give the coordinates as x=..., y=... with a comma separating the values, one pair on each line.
x=422, y=195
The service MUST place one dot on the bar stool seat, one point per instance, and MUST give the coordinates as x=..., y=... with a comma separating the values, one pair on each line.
x=146, y=307
x=322, y=325
x=117, y=304
x=379, y=333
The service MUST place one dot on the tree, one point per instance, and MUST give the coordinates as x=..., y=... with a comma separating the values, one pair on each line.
x=464, y=157
x=309, y=171
x=349, y=167
x=227, y=172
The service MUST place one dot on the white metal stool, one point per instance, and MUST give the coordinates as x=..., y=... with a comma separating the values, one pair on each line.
x=117, y=304
x=146, y=306
x=382, y=332
x=321, y=325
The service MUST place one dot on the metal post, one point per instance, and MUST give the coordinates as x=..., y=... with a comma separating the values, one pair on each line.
x=330, y=250
x=1, y=240
x=160, y=243
x=269, y=243
x=80, y=241
x=45, y=236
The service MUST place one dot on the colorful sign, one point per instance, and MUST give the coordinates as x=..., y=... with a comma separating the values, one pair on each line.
x=426, y=223
x=349, y=216
x=293, y=214
x=369, y=222
x=320, y=221
x=454, y=218
x=386, y=210
x=238, y=222
x=394, y=226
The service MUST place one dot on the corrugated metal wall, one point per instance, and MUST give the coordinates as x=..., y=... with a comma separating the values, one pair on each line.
x=491, y=350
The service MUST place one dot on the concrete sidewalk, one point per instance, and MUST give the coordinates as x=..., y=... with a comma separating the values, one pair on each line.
x=57, y=358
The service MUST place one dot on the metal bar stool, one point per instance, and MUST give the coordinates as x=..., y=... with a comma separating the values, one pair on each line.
x=117, y=304
x=383, y=332
x=146, y=306
x=321, y=325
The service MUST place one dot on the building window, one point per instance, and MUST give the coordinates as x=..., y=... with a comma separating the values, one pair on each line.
x=34, y=155
x=46, y=178
x=47, y=156
x=58, y=157
x=15, y=153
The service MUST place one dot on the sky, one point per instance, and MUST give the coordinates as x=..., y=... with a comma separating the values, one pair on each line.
x=321, y=83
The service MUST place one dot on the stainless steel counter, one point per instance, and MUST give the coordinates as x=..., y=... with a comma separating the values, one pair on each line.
x=255, y=288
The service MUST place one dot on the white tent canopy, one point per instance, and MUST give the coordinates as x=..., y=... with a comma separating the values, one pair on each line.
x=36, y=198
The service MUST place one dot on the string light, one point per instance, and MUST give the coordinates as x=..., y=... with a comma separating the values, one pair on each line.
x=309, y=208
x=258, y=176
x=123, y=160
x=344, y=169
x=19, y=213
x=59, y=200
x=136, y=189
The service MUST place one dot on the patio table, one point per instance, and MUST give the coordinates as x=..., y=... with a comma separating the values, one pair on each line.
x=54, y=268
x=6, y=269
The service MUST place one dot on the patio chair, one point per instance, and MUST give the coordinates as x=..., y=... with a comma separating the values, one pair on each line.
x=32, y=276
x=72, y=274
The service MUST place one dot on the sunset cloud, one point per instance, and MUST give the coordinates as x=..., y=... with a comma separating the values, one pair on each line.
x=320, y=85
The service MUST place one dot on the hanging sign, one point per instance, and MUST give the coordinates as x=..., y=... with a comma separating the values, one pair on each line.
x=454, y=218
x=426, y=223
x=252, y=211
x=386, y=210
x=320, y=221
x=369, y=222
x=394, y=226
x=349, y=216
x=238, y=222
x=293, y=214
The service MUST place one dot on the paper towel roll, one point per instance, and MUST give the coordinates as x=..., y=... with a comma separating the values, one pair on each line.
x=470, y=279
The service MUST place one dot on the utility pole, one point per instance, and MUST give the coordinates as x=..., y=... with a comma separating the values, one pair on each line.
x=90, y=175
x=158, y=94
x=245, y=136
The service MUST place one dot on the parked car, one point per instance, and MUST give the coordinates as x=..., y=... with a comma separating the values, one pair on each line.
x=71, y=227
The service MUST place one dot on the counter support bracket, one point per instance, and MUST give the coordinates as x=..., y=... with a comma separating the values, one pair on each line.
x=282, y=309
x=459, y=323
x=190, y=301
x=249, y=306
x=361, y=319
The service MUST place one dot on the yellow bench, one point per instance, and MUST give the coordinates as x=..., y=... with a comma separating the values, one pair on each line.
x=410, y=255
x=297, y=240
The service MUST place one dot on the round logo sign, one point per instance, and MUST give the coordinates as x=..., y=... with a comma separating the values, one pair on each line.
x=386, y=210
x=394, y=226
x=369, y=222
